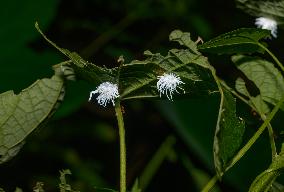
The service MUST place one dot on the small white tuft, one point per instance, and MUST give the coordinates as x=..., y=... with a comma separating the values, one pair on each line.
x=267, y=23
x=107, y=92
x=168, y=84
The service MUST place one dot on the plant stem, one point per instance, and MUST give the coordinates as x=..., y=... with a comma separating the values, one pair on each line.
x=122, y=146
x=210, y=184
x=252, y=140
x=247, y=146
x=271, y=138
x=263, y=117
x=272, y=55
x=236, y=94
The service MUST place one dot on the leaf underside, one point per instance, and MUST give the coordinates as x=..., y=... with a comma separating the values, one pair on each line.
x=271, y=9
x=265, y=76
x=21, y=114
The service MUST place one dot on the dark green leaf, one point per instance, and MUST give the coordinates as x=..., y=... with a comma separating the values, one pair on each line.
x=183, y=39
x=138, y=79
x=21, y=114
x=264, y=181
x=243, y=40
x=228, y=134
x=85, y=69
x=272, y=9
x=265, y=76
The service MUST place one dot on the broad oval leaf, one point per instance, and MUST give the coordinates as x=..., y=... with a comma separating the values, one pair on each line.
x=228, y=134
x=259, y=8
x=244, y=40
x=21, y=114
x=138, y=79
x=264, y=181
x=265, y=76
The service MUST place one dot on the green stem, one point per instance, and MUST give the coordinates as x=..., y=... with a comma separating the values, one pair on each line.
x=248, y=145
x=122, y=146
x=272, y=55
x=271, y=138
x=263, y=117
x=252, y=140
x=272, y=142
x=236, y=94
x=210, y=184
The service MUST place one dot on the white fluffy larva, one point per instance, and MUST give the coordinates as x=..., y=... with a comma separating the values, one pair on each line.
x=267, y=23
x=168, y=84
x=106, y=92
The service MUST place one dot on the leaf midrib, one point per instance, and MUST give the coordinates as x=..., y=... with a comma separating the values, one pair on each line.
x=149, y=81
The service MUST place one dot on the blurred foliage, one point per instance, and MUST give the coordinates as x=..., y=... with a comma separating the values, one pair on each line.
x=83, y=137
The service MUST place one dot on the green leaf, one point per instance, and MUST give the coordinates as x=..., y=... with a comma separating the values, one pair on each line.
x=138, y=79
x=264, y=181
x=85, y=69
x=265, y=76
x=183, y=39
x=21, y=114
x=135, y=187
x=276, y=187
x=259, y=8
x=228, y=134
x=64, y=186
x=244, y=40
x=38, y=187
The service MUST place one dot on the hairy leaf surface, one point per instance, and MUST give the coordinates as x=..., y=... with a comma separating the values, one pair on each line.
x=272, y=9
x=229, y=132
x=264, y=181
x=265, y=76
x=244, y=40
x=21, y=114
x=138, y=79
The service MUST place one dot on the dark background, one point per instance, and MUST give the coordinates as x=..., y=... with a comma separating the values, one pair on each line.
x=83, y=136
